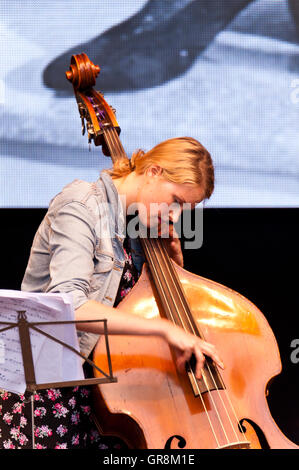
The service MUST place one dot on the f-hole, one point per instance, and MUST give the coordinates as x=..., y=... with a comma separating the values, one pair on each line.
x=181, y=442
x=261, y=436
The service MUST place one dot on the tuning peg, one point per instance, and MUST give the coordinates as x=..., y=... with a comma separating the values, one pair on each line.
x=83, y=125
x=113, y=109
x=90, y=132
x=82, y=110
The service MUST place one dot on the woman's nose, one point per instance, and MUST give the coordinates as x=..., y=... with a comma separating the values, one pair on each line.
x=175, y=212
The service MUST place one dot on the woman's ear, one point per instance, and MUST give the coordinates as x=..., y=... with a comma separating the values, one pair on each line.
x=154, y=171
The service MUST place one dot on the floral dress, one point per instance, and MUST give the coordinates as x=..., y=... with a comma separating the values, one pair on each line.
x=62, y=417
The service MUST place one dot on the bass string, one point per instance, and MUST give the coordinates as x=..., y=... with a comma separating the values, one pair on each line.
x=113, y=138
x=122, y=150
x=164, y=287
x=177, y=286
x=224, y=406
x=115, y=145
x=158, y=279
x=112, y=145
x=109, y=143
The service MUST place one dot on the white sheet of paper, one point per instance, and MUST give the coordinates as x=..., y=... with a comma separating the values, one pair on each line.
x=52, y=361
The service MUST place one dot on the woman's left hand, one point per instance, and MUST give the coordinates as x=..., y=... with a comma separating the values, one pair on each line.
x=173, y=244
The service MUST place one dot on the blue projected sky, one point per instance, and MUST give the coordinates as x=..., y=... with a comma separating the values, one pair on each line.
x=224, y=72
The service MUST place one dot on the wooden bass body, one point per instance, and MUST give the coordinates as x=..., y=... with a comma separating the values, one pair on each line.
x=154, y=406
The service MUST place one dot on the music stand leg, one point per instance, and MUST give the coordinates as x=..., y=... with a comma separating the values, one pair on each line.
x=32, y=419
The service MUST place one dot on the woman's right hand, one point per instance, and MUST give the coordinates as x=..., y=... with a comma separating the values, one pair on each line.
x=185, y=344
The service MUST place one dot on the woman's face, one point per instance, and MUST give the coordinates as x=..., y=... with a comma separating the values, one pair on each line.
x=160, y=201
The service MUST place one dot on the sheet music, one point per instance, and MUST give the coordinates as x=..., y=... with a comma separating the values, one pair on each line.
x=52, y=361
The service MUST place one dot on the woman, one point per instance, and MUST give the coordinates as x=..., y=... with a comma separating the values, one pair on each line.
x=80, y=248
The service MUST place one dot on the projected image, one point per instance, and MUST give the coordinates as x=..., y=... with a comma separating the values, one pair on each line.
x=223, y=72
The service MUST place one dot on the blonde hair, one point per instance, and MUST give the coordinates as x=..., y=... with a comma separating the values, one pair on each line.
x=182, y=159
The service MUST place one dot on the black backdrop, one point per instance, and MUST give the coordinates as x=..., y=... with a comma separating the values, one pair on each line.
x=253, y=251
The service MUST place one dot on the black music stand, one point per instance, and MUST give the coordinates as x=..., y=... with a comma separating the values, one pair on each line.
x=24, y=326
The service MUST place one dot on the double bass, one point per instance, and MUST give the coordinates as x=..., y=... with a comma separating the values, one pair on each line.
x=154, y=405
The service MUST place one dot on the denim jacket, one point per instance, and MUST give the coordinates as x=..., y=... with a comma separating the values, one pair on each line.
x=78, y=247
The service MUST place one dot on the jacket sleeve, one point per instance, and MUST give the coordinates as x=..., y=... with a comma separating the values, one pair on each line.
x=72, y=244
